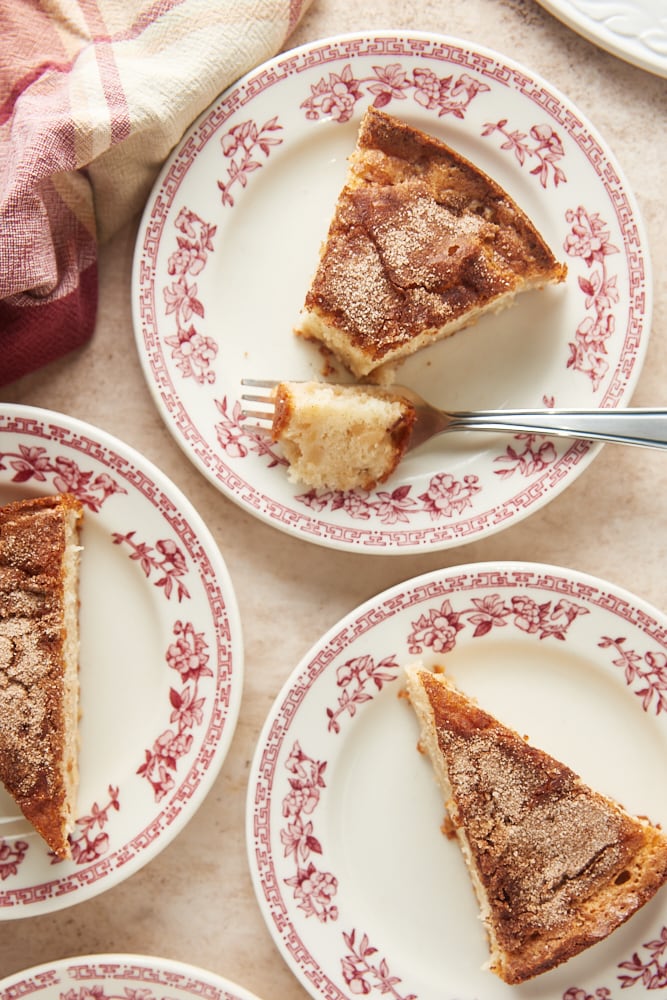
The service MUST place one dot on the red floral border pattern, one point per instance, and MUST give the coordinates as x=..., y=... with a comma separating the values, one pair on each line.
x=363, y=973
x=336, y=96
x=536, y=454
x=11, y=856
x=545, y=145
x=98, y=992
x=239, y=146
x=237, y=441
x=649, y=972
x=589, y=240
x=192, y=351
x=89, y=845
x=313, y=889
x=189, y=656
x=352, y=677
x=169, y=561
x=649, y=670
x=437, y=630
x=121, y=980
x=445, y=496
x=67, y=477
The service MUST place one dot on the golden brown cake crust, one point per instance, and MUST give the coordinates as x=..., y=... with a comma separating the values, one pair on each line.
x=420, y=239
x=33, y=732
x=560, y=866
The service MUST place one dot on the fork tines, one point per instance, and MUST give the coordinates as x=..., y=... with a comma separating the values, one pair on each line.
x=267, y=415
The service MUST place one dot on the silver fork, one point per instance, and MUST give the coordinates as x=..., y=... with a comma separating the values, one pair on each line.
x=644, y=426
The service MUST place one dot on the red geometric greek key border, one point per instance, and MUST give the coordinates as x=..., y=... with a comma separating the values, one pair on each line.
x=110, y=971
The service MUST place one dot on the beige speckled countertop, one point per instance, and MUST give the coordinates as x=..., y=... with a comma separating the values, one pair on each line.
x=194, y=902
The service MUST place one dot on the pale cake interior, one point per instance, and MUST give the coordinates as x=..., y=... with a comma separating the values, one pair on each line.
x=71, y=687
x=340, y=437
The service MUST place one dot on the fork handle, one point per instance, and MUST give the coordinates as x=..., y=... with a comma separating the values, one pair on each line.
x=642, y=426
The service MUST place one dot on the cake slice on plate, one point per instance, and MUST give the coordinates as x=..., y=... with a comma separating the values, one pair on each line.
x=39, y=658
x=422, y=243
x=556, y=866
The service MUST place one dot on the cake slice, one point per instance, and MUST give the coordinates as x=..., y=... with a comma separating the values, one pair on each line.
x=556, y=866
x=421, y=244
x=340, y=437
x=39, y=649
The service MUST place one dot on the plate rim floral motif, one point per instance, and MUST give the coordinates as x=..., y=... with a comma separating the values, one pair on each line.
x=174, y=248
x=442, y=608
x=79, y=977
x=184, y=578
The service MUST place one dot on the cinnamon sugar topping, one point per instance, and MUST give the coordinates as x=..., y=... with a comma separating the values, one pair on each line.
x=539, y=837
x=39, y=662
x=30, y=556
x=421, y=242
x=556, y=866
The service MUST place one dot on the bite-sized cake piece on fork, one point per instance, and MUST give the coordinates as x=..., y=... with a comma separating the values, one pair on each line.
x=340, y=436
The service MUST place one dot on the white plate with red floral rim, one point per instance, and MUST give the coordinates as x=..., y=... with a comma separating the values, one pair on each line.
x=229, y=241
x=633, y=30
x=161, y=660
x=358, y=886
x=116, y=976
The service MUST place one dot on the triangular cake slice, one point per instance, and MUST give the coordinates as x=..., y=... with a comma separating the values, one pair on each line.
x=556, y=866
x=39, y=660
x=421, y=244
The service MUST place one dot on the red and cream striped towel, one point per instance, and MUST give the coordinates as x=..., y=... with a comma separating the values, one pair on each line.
x=93, y=96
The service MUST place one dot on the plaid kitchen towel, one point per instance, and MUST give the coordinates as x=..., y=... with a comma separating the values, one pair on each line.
x=93, y=96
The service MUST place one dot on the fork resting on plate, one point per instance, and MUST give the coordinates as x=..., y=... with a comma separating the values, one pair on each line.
x=643, y=426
